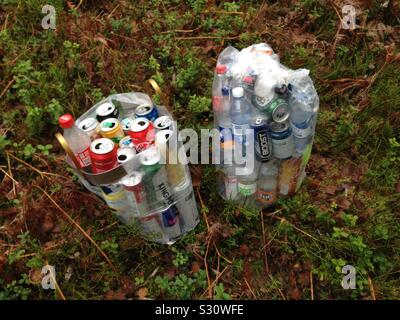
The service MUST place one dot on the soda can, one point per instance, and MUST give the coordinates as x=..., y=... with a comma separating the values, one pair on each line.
x=163, y=123
x=91, y=127
x=111, y=128
x=136, y=193
x=103, y=154
x=146, y=111
x=176, y=172
x=151, y=227
x=115, y=197
x=125, y=154
x=105, y=111
x=282, y=140
x=171, y=224
x=126, y=124
x=158, y=192
x=126, y=142
x=186, y=204
x=142, y=133
x=278, y=110
x=262, y=139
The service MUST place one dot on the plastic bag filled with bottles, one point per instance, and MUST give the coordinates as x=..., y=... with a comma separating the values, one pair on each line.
x=266, y=114
x=121, y=149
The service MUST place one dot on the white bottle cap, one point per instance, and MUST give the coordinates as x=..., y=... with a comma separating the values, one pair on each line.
x=237, y=92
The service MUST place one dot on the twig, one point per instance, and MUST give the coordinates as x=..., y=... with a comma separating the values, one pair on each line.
x=251, y=290
x=219, y=275
x=264, y=244
x=11, y=175
x=281, y=293
x=5, y=172
x=112, y=12
x=107, y=227
x=6, y=88
x=311, y=285
x=206, y=37
x=78, y=227
x=371, y=288
x=224, y=12
x=202, y=208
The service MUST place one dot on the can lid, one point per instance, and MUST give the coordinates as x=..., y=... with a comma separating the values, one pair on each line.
x=126, y=123
x=108, y=124
x=133, y=179
x=139, y=124
x=105, y=109
x=279, y=126
x=125, y=142
x=66, y=121
x=162, y=122
x=124, y=154
x=143, y=109
x=88, y=124
x=237, y=92
x=150, y=157
x=102, y=146
x=163, y=136
x=221, y=69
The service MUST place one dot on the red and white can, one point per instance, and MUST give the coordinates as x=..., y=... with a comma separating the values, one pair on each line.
x=103, y=154
x=142, y=133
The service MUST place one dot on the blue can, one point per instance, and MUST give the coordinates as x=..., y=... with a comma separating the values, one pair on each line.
x=282, y=140
x=170, y=221
x=262, y=139
x=147, y=111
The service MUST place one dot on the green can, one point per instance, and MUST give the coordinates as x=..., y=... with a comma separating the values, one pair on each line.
x=278, y=110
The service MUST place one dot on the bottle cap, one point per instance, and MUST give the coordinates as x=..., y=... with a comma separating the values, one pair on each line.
x=225, y=91
x=237, y=92
x=66, y=121
x=221, y=69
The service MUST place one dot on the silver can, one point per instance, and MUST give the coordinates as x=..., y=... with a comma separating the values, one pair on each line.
x=125, y=154
x=91, y=127
x=186, y=204
x=282, y=140
x=163, y=123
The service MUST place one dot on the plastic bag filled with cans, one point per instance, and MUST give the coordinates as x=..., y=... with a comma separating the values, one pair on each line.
x=252, y=90
x=119, y=149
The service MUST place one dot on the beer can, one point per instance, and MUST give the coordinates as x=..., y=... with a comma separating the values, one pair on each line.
x=142, y=133
x=151, y=227
x=125, y=154
x=282, y=140
x=126, y=142
x=163, y=123
x=91, y=127
x=136, y=193
x=155, y=178
x=262, y=139
x=278, y=110
x=146, y=111
x=115, y=197
x=176, y=172
x=105, y=111
x=103, y=154
x=171, y=224
x=186, y=204
x=111, y=128
x=126, y=124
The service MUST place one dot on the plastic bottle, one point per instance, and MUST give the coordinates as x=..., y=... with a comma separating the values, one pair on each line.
x=267, y=186
x=218, y=82
x=240, y=114
x=247, y=180
x=224, y=120
x=78, y=141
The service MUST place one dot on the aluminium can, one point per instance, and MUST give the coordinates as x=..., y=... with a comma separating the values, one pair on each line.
x=111, y=128
x=126, y=142
x=163, y=123
x=136, y=193
x=170, y=222
x=186, y=204
x=262, y=139
x=282, y=140
x=115, y=197
x=103, y=154
x=91, y=127
x=142, y=133
x=126, y=124
x=147, y=111
x=125, y=154
x=278, y=110
x=105, y=111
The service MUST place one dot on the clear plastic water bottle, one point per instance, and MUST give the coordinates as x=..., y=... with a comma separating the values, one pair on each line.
x=240, y=114
x=78, y=140
x=218, y=82
x=224, y=119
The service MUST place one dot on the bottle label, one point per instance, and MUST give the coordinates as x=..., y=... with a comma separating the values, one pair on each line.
x=247, y=189
x=217, y=102
x=231, y=187
x=266, y=197
x=284, y=148
x=300, y=132
x=84, y=158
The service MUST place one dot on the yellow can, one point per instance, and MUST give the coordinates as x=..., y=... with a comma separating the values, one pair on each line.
x=111, y=128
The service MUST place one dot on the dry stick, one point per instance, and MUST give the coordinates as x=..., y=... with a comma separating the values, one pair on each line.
x=281, y=293
x=264, y=244
x=5, y=172
x=12, y=177
x=206, y=37
x=216, y=279
x=311, y=285
x=371, y=288
x=78, y=227
x=56, y=283
x=251, y=290
x=6, y=88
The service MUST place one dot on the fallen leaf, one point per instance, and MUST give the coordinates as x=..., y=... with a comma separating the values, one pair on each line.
x=304, y=278
x=36, y=275
x=398, y=186
x=115, y=295
x=329, y=189
x=127, y=285
x=195, y=267
x=343, y=203
x=244, y=249
x=142, y=293
x=295, y=294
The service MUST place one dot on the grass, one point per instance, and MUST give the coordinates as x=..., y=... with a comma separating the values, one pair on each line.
x=347, y=211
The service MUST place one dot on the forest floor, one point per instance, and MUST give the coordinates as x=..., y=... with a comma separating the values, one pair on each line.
x=347, y=211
